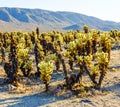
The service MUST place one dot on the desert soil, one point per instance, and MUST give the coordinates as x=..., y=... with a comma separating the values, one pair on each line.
x=31, y=93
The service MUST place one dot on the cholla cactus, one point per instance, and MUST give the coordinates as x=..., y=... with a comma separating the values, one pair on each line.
x=88, y=60
x=103, y=62
x=106, y=43
x=94, y=71
x=85, y=28
x=46, y=69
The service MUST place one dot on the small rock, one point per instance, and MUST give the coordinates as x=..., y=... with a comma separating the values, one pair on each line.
x=113, y=69
x=76, y=101
x=11, y=87
x=115, y=77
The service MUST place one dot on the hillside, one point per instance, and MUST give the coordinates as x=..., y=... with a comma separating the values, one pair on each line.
x=29, y=19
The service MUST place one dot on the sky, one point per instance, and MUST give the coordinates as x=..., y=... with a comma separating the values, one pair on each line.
x=103, y=9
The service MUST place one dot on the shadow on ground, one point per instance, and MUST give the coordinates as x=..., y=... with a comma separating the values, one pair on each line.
x=35, y=100
x=115, y=87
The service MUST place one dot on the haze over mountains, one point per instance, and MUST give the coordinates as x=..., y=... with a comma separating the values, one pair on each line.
x=15, y=19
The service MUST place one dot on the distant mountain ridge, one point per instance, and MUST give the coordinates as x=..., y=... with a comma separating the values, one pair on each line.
x=29, y=19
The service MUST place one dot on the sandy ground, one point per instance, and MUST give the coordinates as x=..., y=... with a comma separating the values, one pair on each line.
x=32, y=94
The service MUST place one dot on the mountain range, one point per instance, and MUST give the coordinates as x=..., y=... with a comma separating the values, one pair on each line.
x=16, y=19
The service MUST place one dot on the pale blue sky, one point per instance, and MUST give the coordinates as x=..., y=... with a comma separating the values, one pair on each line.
x=103, y=9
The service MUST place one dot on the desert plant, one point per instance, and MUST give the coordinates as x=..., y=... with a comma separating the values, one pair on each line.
x=46, y=70
x=85, y=28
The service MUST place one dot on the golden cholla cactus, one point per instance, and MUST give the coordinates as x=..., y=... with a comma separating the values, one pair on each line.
x=46, y=69
x=102, y=58
x=22, y=53
x=71, y=46
x=85, y=28
x=50, y=57
x=103, y=62
x=88, y=59
x=94, y=70
x=79, y=59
